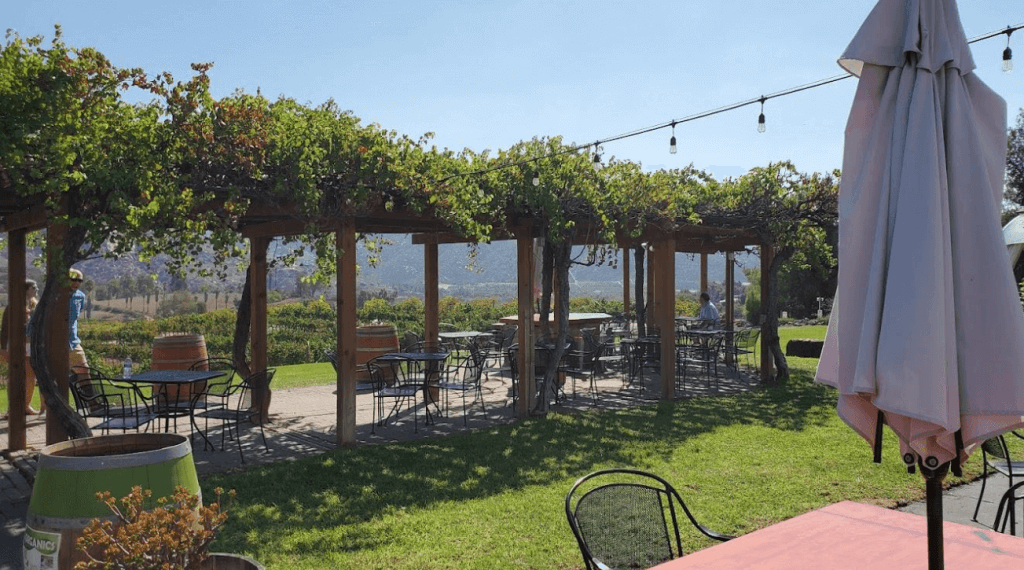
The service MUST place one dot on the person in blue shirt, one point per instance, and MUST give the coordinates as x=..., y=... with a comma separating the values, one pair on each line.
x=708, y=314
x=76, y=359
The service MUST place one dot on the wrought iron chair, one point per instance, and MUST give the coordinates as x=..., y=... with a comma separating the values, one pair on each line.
x=995, y=457
x=702, y=350
x=465, y=377
x=743, y=342
x=118, y=405
x=625, y=518
x=408, y=339
x=242, y=406
x=405, y=385
x=496, y=347
x=215, y=394
x=1006, y=512
x=586, y=365
x=645, y=354
x=512, y=356
x=361, y=385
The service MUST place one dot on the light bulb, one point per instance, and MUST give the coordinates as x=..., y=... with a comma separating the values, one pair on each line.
x=672, y=144
x=536, y=179
x=1007, y=60
x=760, y=123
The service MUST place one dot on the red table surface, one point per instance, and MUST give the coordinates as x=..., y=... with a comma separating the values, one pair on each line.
x=853, y=535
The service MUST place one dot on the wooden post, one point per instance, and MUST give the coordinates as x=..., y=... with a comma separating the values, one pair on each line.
x=652, y=290
x=625, y=282
x=525, y=263
x=703, y=272
x=345, y=240
x=430, y=293
x=730, y=262
x=258, y=307
x=665, y=313
x=767, y=253
x=57, y=325
x=16, y=364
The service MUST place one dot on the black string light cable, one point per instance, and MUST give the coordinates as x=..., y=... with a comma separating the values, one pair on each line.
x=1007, y=64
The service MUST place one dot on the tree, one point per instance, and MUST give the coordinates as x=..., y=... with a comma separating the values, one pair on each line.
x=105, y=170
x=791, y=211
x=1015, y=162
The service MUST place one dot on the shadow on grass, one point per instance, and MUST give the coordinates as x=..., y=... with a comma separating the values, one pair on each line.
x=344, y=487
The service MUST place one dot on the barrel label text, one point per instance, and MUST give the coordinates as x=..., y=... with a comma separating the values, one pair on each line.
x=41, y=549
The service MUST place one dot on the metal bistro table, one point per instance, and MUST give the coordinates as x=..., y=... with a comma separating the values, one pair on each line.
x=460, y=335
x=163, y=380
x=452, y=339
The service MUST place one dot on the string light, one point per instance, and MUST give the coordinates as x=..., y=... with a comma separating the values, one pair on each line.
x=761, y=127
x=1007, y=53
x=536, y=179
x=597, y=157
x=760, y=118
x=672, y=141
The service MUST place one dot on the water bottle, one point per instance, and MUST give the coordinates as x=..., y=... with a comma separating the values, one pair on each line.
x=126, y=372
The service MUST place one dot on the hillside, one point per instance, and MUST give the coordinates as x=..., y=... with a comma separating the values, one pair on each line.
x=492, y=273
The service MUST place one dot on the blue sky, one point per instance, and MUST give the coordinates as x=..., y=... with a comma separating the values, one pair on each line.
x=485, y=75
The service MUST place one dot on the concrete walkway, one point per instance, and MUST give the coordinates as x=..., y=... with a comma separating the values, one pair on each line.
x=303, y=424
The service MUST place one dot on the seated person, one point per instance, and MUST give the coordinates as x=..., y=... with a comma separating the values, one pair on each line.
x=708, y=314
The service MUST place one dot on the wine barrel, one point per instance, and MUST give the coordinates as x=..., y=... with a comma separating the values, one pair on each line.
x=70, y=473
x=371, y=342
x=179, y=352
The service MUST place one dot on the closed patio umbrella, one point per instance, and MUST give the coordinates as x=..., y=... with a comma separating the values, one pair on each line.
x=926, y=333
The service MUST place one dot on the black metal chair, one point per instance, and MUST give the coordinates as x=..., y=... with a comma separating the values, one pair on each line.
x=625, y=518
x=361, y=385
x=495, y=348
x=404, y=385
x=995, y=457
x=464, y=378
x=585, y=365
x=118, y=405
x=408, y=339
x=242, y=406
x=645, y=354
x=1006, y=511
x=702, y=351
x=215, y=394
x=740, y=343
x=224, y=365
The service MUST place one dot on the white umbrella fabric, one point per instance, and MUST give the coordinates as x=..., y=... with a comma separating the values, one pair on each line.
x=926, y=332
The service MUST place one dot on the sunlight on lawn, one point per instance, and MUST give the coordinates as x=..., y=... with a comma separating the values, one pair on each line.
x=495, y=498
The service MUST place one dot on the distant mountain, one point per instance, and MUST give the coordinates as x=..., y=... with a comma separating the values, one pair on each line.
x=492, y=272
x=494, y=267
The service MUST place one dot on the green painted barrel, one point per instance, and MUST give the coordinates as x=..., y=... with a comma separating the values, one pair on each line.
x=70, y=473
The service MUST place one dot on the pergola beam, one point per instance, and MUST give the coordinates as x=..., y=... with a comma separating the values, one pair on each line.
x=31, y=219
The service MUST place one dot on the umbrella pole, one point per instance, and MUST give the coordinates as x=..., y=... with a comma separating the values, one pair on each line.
x=933, y=507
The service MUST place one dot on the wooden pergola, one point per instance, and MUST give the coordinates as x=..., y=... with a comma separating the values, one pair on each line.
x=263, y=223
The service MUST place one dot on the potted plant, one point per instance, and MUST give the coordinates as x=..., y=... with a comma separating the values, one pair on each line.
x=175, y=535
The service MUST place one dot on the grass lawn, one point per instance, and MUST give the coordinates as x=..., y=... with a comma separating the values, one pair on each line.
x=495, y=498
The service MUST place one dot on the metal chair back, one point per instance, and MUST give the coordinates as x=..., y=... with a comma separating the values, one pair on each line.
x=625, y=518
